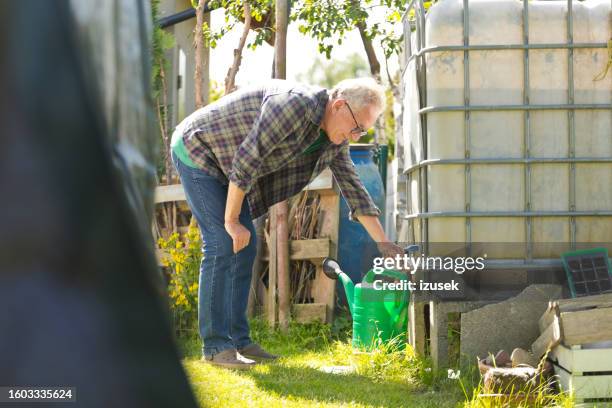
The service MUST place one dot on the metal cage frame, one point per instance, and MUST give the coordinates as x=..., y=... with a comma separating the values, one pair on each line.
x=419, y=24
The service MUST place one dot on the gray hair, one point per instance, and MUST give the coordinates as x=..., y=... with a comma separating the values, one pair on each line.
x=361, y=93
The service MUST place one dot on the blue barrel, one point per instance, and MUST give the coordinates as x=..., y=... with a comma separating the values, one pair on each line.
x=356, y=249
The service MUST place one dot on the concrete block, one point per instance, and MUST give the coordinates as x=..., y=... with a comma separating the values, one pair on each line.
x=506, y=325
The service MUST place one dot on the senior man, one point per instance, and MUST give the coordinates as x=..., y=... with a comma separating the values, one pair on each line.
x=264, y=144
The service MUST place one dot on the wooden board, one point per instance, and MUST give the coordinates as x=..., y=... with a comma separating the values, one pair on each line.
x=324, y=181
x=599, y=301
x=310, y=312
x=416, y=323
x=548, y=339
x=586, y=326
x=306, y=249
x=585, y=387
x=172, y=192
x=548, y=316
x=324, y=289
x=311, y=249
x=582, y=360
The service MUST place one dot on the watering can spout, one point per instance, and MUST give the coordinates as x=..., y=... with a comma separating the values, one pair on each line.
x=331, y=268
x=349, y=290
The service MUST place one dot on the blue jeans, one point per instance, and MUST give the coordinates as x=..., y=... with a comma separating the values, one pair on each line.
x=225, y=277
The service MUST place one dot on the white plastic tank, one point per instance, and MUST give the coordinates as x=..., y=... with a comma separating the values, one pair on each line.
x=517, y=173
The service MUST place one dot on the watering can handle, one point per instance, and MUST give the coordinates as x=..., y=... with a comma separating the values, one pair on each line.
x=371, y=275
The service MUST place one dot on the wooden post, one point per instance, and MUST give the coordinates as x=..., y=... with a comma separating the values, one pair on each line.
x=324, y=289
x=416, y=324
x=438, y=326
x=282, y=256
x=272, y=269
x=257, y=263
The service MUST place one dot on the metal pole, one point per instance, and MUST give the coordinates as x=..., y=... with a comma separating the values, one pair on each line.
x=527, y=131
x=467, y=136
x=571, y=123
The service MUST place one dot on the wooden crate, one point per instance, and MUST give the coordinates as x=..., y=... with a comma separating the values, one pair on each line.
x=574, y=322
x=586, y=373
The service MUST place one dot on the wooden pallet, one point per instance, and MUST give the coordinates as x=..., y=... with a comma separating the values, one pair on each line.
x=315, y=250
x=585, y=373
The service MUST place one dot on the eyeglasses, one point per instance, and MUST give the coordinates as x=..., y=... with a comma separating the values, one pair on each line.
x=357, y=130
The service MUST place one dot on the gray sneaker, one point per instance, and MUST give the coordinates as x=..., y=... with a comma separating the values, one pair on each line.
x=230, y=359
x=255, y=352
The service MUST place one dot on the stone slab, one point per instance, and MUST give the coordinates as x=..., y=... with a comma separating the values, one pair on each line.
x=506, y=325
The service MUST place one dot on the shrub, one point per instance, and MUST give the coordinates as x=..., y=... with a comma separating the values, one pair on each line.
x=182, y=260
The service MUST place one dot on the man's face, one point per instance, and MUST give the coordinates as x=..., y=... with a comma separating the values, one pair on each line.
x=342, y=125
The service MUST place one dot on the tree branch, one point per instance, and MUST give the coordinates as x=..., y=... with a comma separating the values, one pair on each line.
x=231, y=73
x=367, y=45
x=392, y=84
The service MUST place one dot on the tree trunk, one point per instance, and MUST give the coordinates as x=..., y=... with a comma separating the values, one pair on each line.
x=199, y=45
x=282, y=209
x=231, y=73
x=164, y=124
x=205, y=71
x=280, y=44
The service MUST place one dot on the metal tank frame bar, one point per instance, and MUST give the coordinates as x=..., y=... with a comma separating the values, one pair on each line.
x=504, y=47
x=509, y=214
x=459, y=108
x=510, y=160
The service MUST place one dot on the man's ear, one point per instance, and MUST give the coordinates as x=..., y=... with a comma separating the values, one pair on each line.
x=337, y=104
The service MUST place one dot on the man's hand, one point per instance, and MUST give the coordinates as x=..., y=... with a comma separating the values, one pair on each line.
x=372, y=225
x=239, y=233
x=390, y=250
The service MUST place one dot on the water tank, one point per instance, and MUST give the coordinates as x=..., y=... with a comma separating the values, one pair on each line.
x=507, y=126
x=356, y=249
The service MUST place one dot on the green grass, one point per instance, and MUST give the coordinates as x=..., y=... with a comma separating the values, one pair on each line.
x=540, y=392
x=387, y=377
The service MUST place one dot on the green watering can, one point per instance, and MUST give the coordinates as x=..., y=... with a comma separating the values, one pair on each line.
x=378, y=315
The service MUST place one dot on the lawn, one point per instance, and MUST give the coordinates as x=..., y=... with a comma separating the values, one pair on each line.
x=385, y=378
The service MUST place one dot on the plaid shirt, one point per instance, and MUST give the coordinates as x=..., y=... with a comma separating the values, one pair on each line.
x=255, y=137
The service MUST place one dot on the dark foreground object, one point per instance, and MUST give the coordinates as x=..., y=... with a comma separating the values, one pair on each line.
x=81, y=301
